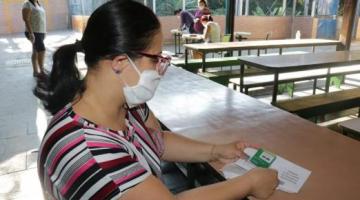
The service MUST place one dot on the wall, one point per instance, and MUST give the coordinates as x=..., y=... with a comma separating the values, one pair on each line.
x=11, y=19
x=259, y=26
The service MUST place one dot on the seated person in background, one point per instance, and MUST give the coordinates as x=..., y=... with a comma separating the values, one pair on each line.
x=211, y=31
x=186, y=20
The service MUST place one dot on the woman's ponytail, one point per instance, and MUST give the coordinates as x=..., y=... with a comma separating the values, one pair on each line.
x=64, y=81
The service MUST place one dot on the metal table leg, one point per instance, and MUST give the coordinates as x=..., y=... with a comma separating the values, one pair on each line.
x=327, y=84
x=275, y=90
x=242, y=69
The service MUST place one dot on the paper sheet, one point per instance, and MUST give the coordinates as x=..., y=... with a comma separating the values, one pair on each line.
x=291, y=176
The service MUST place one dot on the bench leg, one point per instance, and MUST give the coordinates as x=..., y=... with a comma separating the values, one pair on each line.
x=246, y=90
x=314, y=86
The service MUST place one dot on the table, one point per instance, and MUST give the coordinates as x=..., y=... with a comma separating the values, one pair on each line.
x=298, y=62
x=242, y=35
x=204, y=110
x=259, y=44
x=190, y=38
x=351, y=126
x=177, y=35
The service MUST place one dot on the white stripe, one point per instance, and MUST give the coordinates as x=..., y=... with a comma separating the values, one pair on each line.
x=109, y=156
x=66, y=158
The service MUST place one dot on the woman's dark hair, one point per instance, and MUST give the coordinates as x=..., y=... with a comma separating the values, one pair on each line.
x=117, y=27
x=204, y=2
x=177, y=11
x=33, y=2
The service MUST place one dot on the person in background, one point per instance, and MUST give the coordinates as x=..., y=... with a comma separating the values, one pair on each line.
x=212, y=32
x=103, y=141
x=186, y=20
x=35, y=24
x=203, y=9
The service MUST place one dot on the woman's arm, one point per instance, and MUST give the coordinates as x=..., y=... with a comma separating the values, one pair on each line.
x=26, y=15
x=206, y=33
x=195, y=151
x=260, y=183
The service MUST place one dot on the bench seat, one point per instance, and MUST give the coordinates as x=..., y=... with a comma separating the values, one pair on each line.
x=315, y=105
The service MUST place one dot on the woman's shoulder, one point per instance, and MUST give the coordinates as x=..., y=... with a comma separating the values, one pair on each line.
x=27, y=4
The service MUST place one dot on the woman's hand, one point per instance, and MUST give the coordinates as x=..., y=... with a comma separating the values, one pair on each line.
x=227, y=153
x=263, y=182
x=32, y=37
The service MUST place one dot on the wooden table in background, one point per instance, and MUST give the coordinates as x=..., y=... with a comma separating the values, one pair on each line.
x=205, y=48
x=299, y=62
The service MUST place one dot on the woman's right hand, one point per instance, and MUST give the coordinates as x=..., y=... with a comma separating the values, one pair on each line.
x=32, y=37
x=263, y=182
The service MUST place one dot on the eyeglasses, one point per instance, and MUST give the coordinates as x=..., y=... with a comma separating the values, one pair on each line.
x=163, y=61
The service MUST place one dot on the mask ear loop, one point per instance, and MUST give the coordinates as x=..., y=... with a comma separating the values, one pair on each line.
x=133, y=65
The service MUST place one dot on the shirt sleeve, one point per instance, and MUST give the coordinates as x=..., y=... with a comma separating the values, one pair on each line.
x=26, y=5
x=120, y=166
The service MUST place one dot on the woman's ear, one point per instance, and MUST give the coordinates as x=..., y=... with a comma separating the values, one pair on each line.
x=119, y=63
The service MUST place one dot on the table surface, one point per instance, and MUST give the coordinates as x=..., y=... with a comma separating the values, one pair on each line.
x=305, y=61
x=242, y=33
x=223, y=46
x=204, y=110
x=192, y=36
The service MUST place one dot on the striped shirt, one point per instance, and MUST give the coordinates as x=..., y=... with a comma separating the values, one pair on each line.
x=81, y=160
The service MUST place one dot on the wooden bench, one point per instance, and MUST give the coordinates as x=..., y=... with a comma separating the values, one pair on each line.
x=223, y=77
x=321, y=104
x=350, y=126
x=195, y=64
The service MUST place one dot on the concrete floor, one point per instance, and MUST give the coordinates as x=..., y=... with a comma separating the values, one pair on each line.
x=23, y=121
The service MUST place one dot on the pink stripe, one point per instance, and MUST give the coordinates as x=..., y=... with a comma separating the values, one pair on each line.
x=129, y=177
x=76, y=175
x=103, y=144
x=140, y=132
x=64, y=149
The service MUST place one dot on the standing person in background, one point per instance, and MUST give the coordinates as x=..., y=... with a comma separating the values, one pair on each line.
x=203, y=9
x=186, y=20
x=35, y=23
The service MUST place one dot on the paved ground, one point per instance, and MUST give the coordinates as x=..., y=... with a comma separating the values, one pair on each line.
x=22, y=121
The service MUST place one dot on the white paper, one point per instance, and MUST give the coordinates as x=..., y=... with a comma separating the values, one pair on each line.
x=291, y=176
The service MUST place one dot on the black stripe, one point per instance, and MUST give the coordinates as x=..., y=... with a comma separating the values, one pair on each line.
x=81, y=180
x=88, y=184
x=96, y=152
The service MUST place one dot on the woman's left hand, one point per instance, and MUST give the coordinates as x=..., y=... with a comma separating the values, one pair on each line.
x=227, y=153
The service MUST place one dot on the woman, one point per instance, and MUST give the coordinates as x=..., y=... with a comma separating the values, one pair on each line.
x=35, y=23
x=104, y=142
x=212, y=32
x=203, y=9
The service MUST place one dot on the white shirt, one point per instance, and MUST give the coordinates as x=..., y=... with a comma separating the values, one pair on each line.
x=37, y=18
x=214, y=34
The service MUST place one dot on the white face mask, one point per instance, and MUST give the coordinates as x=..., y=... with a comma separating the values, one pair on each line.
x=144, y=90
